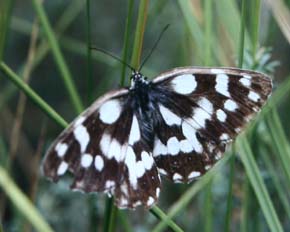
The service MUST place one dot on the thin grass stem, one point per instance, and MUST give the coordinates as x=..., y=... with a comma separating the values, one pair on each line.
x=258, y=185
x=164, y=218
x=22, y=203
x=64, y=70
x=89, y=55
x=126, y=40
x=139, y=33
x=12, y=76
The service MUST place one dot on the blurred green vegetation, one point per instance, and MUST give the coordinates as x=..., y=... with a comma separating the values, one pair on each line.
x=45, y=54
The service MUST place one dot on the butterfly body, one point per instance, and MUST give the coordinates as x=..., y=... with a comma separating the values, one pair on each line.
x=177, y=125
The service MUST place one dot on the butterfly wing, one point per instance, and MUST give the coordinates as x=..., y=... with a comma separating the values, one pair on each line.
x=104, y=150
x=200, y=111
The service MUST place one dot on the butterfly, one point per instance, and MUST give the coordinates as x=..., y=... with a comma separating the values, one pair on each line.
x=178, y=125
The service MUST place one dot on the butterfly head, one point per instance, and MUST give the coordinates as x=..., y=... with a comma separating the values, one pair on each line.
x=138, y=79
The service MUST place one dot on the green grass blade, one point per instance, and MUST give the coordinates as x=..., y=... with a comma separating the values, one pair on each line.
x=5, y=13
x=280, y=187
x=124, y=221
x=194, y=29
x=230, y=18
x=258, y=185
x=25, y=27
x=66, y=75
x=165, y=219
x=126, y=40
x=208, y=11
x=245, y=206
x=279, y=141
x=228, y=216
x=22, y=203
x=139, y=33
x=32, y=95
x=89, y=56
x=242, y=35
x=110, y=215
x=255, y=7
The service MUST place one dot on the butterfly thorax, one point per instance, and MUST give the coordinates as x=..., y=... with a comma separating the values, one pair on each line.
x=141, y=104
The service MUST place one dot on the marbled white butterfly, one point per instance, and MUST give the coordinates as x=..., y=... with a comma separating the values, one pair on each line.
x=177, y=125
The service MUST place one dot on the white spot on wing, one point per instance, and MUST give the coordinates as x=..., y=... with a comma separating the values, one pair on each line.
x=162, y=171
x=221, y=115
x=134, y=132
x=230, y=105
x=82, y=136
x=109, y=184
x=253, y=96
x=173, y=146
x=184, y=84
x=222, y=84
x=147, y=160
x=224, y=136
x=206, y=105
x=79, y=121
x=169, y=117
x=199, y=117
x=150, y=201
x=110, y=111
x=190, y=134
x=193, y=122
x=246, y=80
x=139, y=169
x=177, y=177
x=61, y=149
x=62, y=168
x=185, y=146
x=193, y=174
x=99, y=163
x=207, y=167
x=86, y=160
x=114, y=150
x=159, y=148
x=130, y=162
x=105, y=143
x=157, y=192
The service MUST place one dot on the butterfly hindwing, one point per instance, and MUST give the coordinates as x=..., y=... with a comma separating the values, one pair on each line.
x=103, y=149
x=202, y=110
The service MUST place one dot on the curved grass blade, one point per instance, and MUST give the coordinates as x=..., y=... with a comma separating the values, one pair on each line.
x=22, y=202
x=258, y=185
x=66, y=75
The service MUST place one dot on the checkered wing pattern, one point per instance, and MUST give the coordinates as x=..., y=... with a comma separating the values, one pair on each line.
x=104, y=150
x=199, y=113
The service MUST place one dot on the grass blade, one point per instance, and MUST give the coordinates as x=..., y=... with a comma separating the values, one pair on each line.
x=89, y=56
x=22, y=202
x=258, y=185
x=5, y=13
x=66, y=75
x=126, y=40
x=279, y=141
x=139, y=33
x=32, y=95
x=164, y=218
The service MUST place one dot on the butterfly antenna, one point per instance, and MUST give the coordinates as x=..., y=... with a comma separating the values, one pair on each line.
x=153, y=48
x=113, y=56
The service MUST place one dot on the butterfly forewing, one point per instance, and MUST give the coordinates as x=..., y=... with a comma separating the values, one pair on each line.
x=203, y=110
